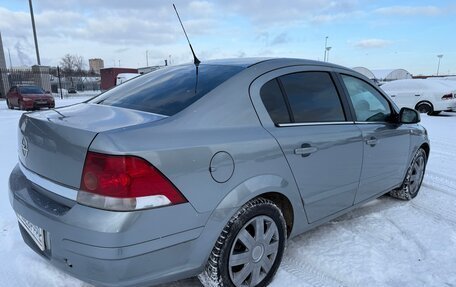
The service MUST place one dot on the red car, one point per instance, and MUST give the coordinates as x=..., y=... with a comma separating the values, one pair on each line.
x=29, y=98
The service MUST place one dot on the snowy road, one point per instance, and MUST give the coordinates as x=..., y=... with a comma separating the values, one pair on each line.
x=384, y=243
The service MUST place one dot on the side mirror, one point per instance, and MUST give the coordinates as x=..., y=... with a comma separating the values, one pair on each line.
x=409, y=116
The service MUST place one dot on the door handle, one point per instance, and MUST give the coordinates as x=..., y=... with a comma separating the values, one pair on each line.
x=305, y=150
x=393, y=96
x=371, y=141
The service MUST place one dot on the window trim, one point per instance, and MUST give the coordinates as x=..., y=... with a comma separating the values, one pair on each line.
x=315, y=124
x=285, y=98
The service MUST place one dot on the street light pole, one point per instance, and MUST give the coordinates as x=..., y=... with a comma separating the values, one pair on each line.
x=438, y=65
x=34, y=34
x=327, y=53
x=147, y=58
x=326, y=48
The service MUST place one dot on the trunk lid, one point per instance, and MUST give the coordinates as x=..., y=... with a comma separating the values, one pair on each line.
x=54, y=143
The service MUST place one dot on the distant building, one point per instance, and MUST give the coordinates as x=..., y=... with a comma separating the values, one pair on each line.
x=109, y=76
x=4, y=84
x=384, y=75
x=96, y=65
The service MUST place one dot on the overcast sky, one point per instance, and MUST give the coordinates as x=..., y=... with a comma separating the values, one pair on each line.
x=371, y=33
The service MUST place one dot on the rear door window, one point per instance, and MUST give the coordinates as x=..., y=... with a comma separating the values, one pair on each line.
x=313, y=97
x=273, y=100
x=168, y=90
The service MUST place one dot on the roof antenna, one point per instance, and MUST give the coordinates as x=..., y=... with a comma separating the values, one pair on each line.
x=195, y=59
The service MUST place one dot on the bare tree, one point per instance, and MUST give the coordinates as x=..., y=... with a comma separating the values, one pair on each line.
x=72, y=64
x=79, y=63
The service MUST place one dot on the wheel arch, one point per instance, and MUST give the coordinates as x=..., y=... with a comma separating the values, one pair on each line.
x=426, y=148
x=424, y=102
x=285, y=206
x=273, y=187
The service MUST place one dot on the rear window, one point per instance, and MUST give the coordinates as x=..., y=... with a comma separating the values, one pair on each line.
x=169, y=90
x=31, y=90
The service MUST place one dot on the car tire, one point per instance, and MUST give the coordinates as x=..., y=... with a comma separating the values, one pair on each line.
x=413, y=178
x=250, y=248
x=425, y=108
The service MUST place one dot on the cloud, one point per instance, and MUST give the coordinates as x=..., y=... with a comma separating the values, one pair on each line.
x=268, y=40
x=372, y=43
x=410, y=11
x=282, y=38
x=272, y=12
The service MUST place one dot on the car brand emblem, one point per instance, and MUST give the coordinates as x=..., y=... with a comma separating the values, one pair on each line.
x=24, y=147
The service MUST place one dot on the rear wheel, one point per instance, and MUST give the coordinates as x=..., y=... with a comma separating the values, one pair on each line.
x=425, y=108
x=250, y=248
x=413, y=179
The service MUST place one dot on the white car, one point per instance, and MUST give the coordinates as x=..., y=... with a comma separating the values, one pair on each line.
x=123, y=77
x=430, y=97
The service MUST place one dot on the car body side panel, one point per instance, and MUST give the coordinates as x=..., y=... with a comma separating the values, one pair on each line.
x=385, y=162
x=326, y=185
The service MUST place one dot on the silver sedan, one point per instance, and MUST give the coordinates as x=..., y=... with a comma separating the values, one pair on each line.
x=208, y=169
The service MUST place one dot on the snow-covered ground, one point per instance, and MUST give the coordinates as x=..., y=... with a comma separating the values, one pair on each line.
x=384, y=243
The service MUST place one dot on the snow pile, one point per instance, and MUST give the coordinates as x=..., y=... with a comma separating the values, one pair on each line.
x=384, y=243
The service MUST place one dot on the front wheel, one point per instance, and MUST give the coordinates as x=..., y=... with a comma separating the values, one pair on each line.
x=425, y=108
x=413, y=179
x=250, y=248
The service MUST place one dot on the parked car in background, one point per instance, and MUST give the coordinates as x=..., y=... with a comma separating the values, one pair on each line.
x=208, y=169
x=28, y=97
x=426, y=96
x=72, y=91
x=123, y=77
x=449, y=83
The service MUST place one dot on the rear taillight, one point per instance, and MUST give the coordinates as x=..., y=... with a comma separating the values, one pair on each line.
x=447, y=97
x=124, y=183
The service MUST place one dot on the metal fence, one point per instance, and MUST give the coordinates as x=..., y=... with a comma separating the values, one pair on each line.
x=79, y=81
x=50, y=79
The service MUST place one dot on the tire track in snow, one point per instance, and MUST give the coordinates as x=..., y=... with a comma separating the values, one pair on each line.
x=440, y=182
x=307, y=273
x=439, y=207
x=441, y=213
x=409, y=237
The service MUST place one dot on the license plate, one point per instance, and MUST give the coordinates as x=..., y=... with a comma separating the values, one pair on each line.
x=34, y=231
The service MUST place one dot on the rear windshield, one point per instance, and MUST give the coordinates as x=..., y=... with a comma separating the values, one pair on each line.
x=31, y=90
x=168, y=90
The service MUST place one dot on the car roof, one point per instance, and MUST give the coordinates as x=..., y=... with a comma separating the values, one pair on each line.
x=248, y=62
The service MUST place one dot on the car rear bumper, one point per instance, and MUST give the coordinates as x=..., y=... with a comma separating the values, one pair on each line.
x=446, y=105
x=107, y=248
